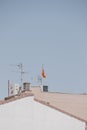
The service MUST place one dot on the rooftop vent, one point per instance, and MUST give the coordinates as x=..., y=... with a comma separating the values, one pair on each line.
x=26, y=86
x=45, y=88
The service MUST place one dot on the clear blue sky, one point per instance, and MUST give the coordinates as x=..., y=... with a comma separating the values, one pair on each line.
x=49, y=32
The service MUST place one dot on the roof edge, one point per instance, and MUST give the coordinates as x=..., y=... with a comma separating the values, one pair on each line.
x=58, y=109
x=15, y=97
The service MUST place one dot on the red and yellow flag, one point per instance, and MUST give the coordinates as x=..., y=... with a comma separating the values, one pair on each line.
x=43, y=73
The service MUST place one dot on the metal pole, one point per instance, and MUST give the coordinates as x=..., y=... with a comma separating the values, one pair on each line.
x=21, y=71
x=21, y=67
x=8, y=86
x=42, y=77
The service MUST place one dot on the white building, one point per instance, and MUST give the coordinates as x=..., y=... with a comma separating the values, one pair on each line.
x=37, y=110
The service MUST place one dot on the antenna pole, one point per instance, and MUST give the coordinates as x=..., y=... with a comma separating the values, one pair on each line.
x=21, y=71
x=21, y=67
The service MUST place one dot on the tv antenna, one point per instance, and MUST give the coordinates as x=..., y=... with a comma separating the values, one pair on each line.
x=20, y=66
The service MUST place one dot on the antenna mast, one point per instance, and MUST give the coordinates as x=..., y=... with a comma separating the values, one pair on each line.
x=20, y=66
x=21, y=72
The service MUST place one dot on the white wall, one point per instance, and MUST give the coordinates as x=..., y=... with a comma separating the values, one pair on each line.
x=13, y=89
x=27, y=114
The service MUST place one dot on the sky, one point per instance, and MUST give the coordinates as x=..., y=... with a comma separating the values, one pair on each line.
x=49, y=32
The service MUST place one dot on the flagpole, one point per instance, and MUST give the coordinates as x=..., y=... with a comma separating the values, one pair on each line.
x=42, y=77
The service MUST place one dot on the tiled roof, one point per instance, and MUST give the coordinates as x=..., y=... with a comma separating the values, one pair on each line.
x=74, y=105
x=15, y=97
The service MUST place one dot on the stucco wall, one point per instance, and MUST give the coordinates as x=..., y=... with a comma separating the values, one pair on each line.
x=27, y=114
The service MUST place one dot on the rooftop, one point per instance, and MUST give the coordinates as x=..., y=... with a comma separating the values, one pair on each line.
x=74, y=105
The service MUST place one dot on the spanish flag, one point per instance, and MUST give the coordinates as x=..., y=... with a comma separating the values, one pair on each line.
x=43, y=73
